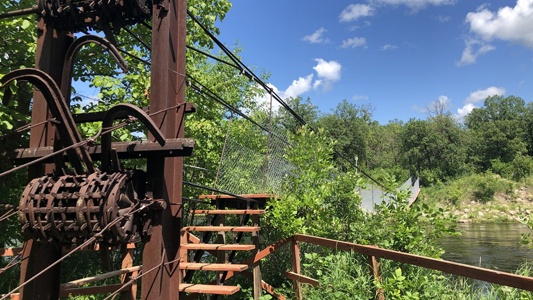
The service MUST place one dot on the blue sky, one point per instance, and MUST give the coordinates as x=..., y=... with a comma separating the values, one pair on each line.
x=397, y=55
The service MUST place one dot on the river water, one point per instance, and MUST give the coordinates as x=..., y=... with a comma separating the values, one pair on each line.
x=492, y=245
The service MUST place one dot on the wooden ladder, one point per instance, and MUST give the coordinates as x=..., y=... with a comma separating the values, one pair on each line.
x=218, y=230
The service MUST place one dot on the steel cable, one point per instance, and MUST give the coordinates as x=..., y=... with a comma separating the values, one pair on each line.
x=213, y=96
x=14, y=262
x=8, y=214
x=249, y=73
x=135, y=278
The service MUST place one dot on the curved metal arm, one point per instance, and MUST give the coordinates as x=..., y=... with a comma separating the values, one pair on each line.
x=68, y=132
x=72, y=52
x=132, y=110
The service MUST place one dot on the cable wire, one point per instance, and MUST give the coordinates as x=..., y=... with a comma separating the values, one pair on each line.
x=250, y=74
x=8, y=214
x=142, y=273
x=206, y=92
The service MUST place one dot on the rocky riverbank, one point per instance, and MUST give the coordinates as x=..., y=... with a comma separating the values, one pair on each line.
x=512, y=207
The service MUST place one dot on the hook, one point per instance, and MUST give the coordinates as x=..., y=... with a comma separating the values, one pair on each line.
x=132, y=110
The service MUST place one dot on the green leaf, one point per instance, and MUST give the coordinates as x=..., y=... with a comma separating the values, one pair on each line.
x=25, y=24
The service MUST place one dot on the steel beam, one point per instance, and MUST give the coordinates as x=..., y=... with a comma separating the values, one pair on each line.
x=165, y=175
x=51, y=49
x=125, y=150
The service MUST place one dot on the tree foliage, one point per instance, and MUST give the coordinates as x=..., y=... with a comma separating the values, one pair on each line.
x=319, y=195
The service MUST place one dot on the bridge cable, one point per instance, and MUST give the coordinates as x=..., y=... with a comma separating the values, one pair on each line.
x=249, y=73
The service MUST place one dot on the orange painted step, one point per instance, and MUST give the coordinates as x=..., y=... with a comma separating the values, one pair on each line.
x=222, y=228
x=228, y=211
x=214, y=247
x=213, y=267
x=208, y=289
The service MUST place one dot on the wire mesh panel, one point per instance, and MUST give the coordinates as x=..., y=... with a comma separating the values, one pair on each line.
x=244, y=170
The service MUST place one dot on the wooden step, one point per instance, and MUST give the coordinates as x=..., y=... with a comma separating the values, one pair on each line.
x=208, y=289
x=213, y=267
x=222, y=228
x=228, y=212
x=214, y=247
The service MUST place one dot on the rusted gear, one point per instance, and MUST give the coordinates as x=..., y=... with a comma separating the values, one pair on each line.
x=85, y=15
x=72, y=208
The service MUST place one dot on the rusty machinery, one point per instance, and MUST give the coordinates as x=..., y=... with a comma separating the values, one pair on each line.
x=79, y=200
x=84, y=15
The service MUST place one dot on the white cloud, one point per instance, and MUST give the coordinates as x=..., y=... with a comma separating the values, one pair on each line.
x=329, y=71
x=465, y=110
x=473, y=49
x=298, y=86
x=355, y=11
x=354, y=42
x=514, y=24
x=316, y=37
x=414, y=4
x=359, y=97
x=388, y=47
x=481, y=95
x=476, y=97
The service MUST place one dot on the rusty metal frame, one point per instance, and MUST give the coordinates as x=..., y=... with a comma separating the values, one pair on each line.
x=125, y=150
x=133, y=111
x=72, y=52
x=497, y=277
x=165, y=175
x=78, y=157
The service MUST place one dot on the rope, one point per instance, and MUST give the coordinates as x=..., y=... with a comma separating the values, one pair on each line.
x=14, y=262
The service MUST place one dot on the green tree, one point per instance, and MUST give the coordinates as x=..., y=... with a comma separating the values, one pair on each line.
x=498, y=134
x=349, y=126
x=384, y=147
x=433, y=148
x=304, y=108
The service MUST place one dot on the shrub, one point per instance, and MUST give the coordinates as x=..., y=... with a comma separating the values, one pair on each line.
x=484, y=189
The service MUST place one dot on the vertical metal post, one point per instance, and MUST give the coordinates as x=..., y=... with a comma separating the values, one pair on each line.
x=127, y=262
x=374, y=264
x=256, y=268
x=296, y=268
x=165, y=175
x=51, y=49
x=220, y=220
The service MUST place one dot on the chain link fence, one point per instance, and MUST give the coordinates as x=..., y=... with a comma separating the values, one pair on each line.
x=245, y=169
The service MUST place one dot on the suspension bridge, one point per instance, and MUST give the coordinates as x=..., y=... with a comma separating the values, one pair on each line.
x=72, y=203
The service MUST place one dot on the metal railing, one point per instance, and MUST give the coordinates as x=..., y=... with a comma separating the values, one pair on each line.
x=374, y=254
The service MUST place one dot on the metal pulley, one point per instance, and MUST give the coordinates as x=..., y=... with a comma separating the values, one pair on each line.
x=72, y=208
x=85, y=15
